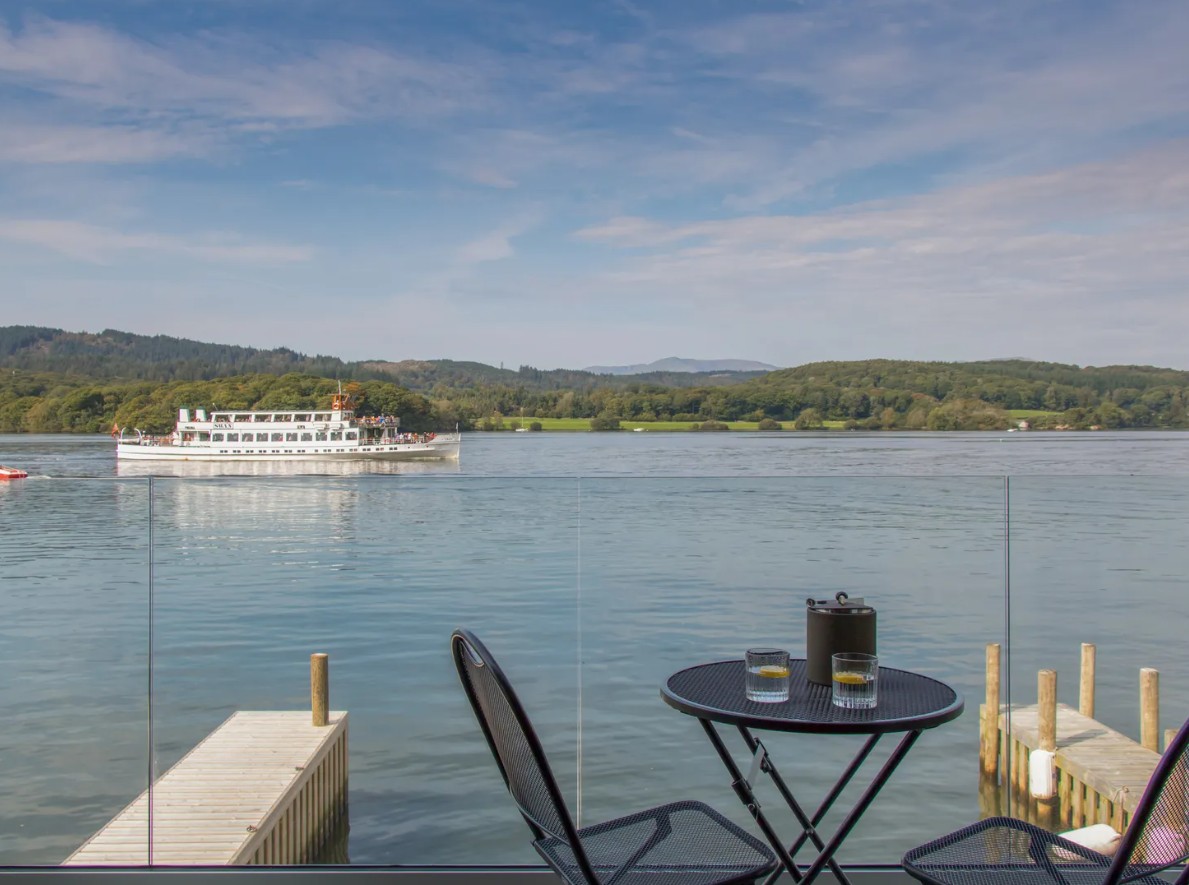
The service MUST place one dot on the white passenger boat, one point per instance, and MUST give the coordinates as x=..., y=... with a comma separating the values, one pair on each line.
x=333, y=434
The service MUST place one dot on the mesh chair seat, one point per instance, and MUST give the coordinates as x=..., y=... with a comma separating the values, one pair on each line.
x=1006, y=851
x=682, y=843
x=686, y=842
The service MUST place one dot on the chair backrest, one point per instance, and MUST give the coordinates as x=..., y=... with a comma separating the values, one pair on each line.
x=515, y=746
x=1158, y=835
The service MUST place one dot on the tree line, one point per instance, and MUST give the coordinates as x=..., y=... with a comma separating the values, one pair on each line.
x=53, y=403
x=874, y=394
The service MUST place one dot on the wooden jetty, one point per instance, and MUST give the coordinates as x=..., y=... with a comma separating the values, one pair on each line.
x=1100, y=774
x=265, y=787
x=1095, y=774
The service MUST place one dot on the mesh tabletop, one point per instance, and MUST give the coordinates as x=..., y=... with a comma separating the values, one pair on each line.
x=906, y=701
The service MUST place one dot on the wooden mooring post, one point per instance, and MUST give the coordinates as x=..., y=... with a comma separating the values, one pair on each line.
x=1065, y=765
x=265, y=787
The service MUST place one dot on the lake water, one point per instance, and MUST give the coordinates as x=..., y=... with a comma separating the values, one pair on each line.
x=593, y=565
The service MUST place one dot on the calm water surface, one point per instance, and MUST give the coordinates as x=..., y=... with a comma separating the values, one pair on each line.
x=593, y=565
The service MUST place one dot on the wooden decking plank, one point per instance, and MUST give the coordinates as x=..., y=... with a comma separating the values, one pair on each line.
x=1105, y=760
x=224, y=795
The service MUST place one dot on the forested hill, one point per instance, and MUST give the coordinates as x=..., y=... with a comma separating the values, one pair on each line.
x=942, y=379
x=115, y=354
x=53, y=381
x=112, y=354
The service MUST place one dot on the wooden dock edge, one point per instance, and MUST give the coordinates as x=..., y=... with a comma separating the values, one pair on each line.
x=1101, y=773
x=264, y=787
x=301, y=820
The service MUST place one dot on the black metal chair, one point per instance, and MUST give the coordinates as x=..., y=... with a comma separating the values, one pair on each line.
x=682, y=842
x=1003, y=850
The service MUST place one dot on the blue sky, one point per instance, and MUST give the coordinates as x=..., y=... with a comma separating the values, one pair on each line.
x=567, y=184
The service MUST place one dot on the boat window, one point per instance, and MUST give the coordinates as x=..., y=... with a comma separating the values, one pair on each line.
x=307, y=437
x=222, y=417
x=243, y=417
x=262, y=437
x=320, y=436
x=351, y=434
x=278, y=437
x=204, y=436
x=301, y=417
x=336, y=435
x=216, y=437
x=322, y=416
x=290, y=437
x=233, y=437
x=284, y=417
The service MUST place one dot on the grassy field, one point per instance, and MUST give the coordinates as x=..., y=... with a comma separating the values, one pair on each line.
x=584, y=424
x=1031, y=413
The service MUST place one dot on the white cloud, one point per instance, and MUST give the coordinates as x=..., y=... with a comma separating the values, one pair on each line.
x=59, y=144
x=1127, y=190
x=496, y=244
x=1064, y=258
x=101, y=245
x=227, y=78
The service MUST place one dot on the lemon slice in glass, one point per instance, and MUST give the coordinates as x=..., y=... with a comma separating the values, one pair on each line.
x=847, y=678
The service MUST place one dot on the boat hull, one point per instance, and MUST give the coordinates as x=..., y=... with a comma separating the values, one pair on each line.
x=443, y=448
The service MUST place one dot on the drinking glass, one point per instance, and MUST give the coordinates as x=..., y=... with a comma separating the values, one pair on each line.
x=767, y=675
x=855, y=679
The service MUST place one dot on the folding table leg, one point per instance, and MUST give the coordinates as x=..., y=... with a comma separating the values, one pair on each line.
x=869, y=794
x=809, y=825
x=826, y=850
x=744, y=791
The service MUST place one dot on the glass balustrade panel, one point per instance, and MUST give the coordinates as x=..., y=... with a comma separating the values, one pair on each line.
x=680, y=571
x=74, y=655
x=1100, y=562
x=256, y=574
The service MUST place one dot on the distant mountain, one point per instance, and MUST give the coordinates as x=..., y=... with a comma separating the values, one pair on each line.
x=677, y=364
x=112, y=354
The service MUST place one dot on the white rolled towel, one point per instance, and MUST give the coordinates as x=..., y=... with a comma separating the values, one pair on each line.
x=1102, y=838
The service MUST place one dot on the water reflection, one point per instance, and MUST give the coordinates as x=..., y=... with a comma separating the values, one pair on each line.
x=235, y=510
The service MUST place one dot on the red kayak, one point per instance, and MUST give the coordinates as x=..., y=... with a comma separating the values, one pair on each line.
x=11, y=473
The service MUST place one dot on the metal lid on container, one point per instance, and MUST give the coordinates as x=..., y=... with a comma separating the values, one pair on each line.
x=841, y=604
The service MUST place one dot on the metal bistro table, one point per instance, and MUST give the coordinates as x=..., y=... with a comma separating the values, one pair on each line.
x=908, y=703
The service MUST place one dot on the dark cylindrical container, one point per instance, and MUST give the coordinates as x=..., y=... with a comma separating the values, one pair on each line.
x=832, y=626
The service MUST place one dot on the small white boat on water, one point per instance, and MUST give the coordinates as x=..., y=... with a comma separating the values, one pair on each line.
x=333, y=434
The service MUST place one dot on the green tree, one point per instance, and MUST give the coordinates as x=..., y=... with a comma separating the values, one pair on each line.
x=604, y=421
x=1109, y=415
x=808, y=419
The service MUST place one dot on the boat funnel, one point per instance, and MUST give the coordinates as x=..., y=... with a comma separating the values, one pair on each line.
x=183, y=415
x=200, y=414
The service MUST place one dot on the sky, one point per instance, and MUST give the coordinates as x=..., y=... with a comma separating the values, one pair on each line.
x=567, y=184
